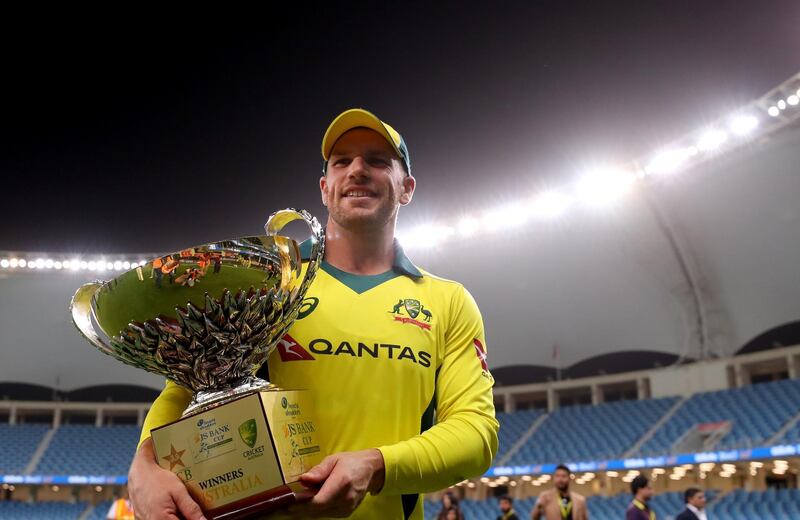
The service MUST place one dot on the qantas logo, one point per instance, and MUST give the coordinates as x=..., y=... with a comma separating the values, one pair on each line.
x=290, y=350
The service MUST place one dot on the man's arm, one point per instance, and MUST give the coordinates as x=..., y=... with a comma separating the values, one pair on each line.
x=536, y=512
x=464, y=441
x=155, y=492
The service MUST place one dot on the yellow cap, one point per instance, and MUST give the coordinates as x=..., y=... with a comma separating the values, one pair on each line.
x=360, y=118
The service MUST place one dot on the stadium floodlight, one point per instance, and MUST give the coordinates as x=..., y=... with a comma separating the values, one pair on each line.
x=4, y=263
x=670, y=160
x=118, y=265
x=85, y=265
x=126, y=265
x=773, y=111
x=48, y=264
x=468, y=226
x=793, y=100
x=22, y=262
x=743, y=124
x=781, y=104
x=109, y=265
x=31, y=265
x=57, y=265
x=92, y=265
x=550, y=204
x=39, y=263
x=711, y=140
x=14, y=262
x=602, y=187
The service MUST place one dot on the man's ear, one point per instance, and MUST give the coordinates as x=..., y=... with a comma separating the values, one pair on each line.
x=323, y=190
x=409, y=185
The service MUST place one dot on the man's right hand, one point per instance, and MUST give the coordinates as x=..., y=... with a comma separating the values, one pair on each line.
x=158, y=494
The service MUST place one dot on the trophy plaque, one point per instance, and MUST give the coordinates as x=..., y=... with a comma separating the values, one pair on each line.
x=207, y=317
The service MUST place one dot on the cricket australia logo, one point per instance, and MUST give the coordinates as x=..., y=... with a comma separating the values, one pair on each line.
x=413, y=309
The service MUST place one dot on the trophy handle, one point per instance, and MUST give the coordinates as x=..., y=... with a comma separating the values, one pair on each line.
x=279, y=219
x=81, y=309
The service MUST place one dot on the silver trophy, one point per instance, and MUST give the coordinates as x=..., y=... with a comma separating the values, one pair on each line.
x=206, y=317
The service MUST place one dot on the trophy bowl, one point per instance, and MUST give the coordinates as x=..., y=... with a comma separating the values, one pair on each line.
x=206, y=317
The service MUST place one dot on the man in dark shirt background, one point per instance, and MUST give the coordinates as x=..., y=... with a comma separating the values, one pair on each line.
x=639, y=509
x=506, y=507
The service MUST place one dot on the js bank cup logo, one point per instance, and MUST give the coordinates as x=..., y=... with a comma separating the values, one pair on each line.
x=248, y=431
x=284, y=403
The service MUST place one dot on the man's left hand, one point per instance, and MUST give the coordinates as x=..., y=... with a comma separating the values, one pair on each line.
x=343, y=480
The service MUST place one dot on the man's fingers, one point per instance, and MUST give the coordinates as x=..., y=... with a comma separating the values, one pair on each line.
x=319, y=472
x=188, y=507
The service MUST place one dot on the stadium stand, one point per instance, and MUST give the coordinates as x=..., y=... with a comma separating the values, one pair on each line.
x=90, y=450
x=772, y=504
x=15, y=510
x=512, y=426
x=100, y=510
x=585, y=432
x=19, y=442
x=756, y=413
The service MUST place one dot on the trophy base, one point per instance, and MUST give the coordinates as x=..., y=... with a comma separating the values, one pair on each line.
x=243, y=458
x=203, y=401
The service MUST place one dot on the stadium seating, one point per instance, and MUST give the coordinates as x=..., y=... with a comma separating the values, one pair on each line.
x=89, y=450
x=588, y=432
x=17, y=445
x=512, y=426
x=14, y=510
x=773, y=504
x=756, y=412
x=100, y=511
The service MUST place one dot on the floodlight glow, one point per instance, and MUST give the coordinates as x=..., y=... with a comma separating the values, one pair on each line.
x=4, y=263
x=57, y=265
x=782, y=104
x=92, y=265
x=126, y=265
x=743, y=125
x=670, y=160
x=468, y=226
x=773, y=111
x=49, y=263
x=14, y=262
x=39, y=263
x=31, y=265
x=117, y=265
x=604, y=186
x=550, y=204
x=85, y=265
x=711, y=140
x=793, y=100
x=22, y=262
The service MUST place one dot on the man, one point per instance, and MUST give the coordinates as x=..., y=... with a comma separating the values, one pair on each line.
x=639, y=509
x=378, y=378
x=560, y=503
x=121, y=509
x=695, y=505
x=506, y=507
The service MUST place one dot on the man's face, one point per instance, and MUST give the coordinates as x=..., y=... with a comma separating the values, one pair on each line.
x=505, y=506
x=647, y=492
x=561, y=480
x=365, y=182
x=698, y=500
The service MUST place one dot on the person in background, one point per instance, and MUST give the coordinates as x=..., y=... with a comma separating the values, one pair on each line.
x=449, y=502
x=560, y=503
x=695, y=505
x=639, y=509
x=507, y=509
x=121, y=509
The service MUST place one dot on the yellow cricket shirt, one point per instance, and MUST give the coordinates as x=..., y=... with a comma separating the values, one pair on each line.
x=395, y=361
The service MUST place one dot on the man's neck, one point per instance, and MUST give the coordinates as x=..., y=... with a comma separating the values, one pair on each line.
x=359, y=252
x=642, y=501
x=563, y=494
x=694, y=509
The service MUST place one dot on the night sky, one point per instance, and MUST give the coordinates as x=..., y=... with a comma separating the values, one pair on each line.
x=160, y=136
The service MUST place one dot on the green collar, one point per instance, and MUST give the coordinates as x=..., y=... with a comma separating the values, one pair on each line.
x=400, y=265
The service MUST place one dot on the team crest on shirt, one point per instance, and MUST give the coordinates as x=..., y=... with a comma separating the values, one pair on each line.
x=408, y=310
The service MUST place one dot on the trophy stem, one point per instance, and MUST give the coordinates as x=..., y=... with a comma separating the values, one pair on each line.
x=206, y=400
